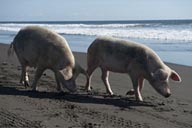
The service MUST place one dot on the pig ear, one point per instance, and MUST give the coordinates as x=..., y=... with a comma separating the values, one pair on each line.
x=174, y=76
x=66, y=73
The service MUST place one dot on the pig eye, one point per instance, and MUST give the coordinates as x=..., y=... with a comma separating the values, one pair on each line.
x=160, y=75
x=163, y=76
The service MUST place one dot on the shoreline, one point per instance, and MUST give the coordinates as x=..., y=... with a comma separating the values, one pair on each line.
x=84, y=53
x=80, y=43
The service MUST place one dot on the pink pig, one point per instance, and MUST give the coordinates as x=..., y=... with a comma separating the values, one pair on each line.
x=139, y=61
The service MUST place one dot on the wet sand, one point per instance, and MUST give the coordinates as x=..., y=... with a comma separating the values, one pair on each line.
x=20, y=107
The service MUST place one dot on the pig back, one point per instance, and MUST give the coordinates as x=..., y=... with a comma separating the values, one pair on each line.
x=114, y=52
x=121, y=50
x=40, y=46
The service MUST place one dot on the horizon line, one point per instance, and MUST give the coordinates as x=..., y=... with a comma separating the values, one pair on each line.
x=39, y=21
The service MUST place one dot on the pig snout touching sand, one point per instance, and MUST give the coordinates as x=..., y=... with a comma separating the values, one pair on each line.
x=139, y=61
x=43, y=49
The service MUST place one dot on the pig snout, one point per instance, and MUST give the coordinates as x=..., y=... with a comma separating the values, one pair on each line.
x=164, y=91
x=162, y=88
x=167, y=92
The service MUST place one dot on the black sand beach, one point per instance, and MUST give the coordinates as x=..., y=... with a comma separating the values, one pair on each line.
x=20, y=107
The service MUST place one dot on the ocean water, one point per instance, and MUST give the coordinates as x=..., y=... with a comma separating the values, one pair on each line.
x=171, y=39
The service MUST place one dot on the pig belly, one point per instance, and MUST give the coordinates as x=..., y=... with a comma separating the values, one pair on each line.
x=115, y=65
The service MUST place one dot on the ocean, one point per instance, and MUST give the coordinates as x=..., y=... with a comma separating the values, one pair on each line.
x=171, y=39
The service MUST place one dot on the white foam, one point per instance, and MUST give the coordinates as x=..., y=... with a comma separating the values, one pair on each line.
x=138, y=31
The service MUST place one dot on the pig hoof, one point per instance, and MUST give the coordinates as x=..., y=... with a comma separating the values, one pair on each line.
x=59, y=89
x=26, y=84
x=22, y=83
x=90, y=93
x=61, y=93
x=34, y=89
x=130, y=92
x=139, y=99
x=111, y=94
x=88, y=89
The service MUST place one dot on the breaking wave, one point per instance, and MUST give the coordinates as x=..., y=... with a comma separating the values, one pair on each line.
x=158, y=31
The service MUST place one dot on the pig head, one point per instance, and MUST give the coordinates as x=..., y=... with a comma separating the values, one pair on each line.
x=160, y=80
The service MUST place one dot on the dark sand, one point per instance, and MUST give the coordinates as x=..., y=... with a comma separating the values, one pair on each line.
x=20, y=107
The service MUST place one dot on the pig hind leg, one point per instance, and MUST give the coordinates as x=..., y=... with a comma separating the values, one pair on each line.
x=105, y=76
x=24, y=76
x=38, y=74
x=90, y=71
x=58, y=82
x=92, y=64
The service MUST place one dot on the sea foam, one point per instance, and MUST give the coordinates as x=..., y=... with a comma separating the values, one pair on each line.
x=181, y=32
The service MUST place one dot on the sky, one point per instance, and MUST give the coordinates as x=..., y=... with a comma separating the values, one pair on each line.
x=89, y=10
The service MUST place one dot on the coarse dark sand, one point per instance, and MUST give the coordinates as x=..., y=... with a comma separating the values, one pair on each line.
x=20, y=107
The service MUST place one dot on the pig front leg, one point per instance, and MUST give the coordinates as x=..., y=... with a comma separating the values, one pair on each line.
x=141, y=84
x=58, y=83
x=137, y=87
x=38, y=74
